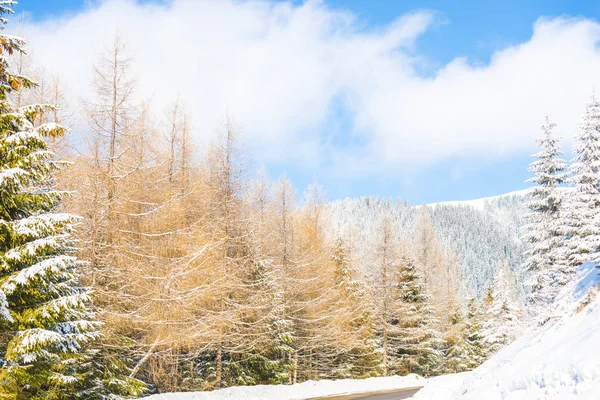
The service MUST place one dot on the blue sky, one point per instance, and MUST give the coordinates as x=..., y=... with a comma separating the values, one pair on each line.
x=468, y=28
x=473, y=30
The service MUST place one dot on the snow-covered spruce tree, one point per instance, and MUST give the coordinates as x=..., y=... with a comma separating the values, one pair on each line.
x=418, y=343
x=268, y=328
x=435, y=264
x=503, y=313
x=544, y=231
x=584, y=174
x=466, y=347
x=46, y=327
x=408, y=341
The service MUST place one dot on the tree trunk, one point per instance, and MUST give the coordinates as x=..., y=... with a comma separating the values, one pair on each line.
x=310, y=371
x=385, y=352
x=146, y=356
x=295, y=378
x=112, y=150
x=219, y=367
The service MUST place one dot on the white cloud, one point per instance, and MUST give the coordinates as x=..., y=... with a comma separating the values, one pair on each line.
x=280, y=68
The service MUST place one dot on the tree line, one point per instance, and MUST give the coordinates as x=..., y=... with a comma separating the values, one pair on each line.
x=563, y=218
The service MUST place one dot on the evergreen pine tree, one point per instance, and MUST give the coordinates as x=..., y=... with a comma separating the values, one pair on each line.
x=268, y=361
x=544, y=231
x=46, y=327
x=584, y=230
x=467, y=348
x=503, y=313
x=418, y=343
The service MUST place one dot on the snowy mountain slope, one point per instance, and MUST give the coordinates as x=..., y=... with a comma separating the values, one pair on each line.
x=480, y=237
x=480, y=203
x=557, y=360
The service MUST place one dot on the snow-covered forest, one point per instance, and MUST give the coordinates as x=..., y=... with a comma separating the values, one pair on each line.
x=471, y=242
x=132, y=262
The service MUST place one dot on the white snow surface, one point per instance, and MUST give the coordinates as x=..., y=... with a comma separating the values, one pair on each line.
x=556, y=360
x=442, y=387
x=304, y=390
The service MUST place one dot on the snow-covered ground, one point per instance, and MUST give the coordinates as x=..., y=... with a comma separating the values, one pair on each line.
x=305, y=390
x=557, y=360
x=441, y=387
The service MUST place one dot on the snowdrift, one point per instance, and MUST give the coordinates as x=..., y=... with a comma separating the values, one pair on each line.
x=304, y=390
x=559, y=359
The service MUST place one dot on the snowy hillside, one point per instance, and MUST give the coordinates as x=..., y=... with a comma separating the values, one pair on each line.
x=481, y=203
x=559, y=359
x=481, y=233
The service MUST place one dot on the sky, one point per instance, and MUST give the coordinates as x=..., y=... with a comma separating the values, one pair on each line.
x=423, y=100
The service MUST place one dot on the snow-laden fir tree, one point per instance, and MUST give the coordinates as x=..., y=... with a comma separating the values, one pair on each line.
x=545, y=231
x=584, y=174
x=418, y=343
x=466, y=347
x=46, y=327
x=405, y=325
x=266, y=322
x=503, y=313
